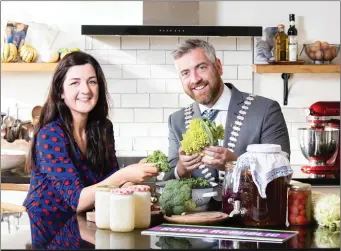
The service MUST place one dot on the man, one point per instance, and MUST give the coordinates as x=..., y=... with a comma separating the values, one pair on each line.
x=246, y=119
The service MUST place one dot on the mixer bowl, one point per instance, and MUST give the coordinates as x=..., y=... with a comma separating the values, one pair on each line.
x=318, y=144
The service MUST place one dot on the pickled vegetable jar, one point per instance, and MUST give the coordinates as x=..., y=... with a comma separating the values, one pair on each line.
x=102, y=206
x=142, y=198
x=299, y=204
x=122, y=210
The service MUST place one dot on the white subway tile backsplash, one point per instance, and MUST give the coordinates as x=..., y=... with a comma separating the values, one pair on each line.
x=294, y=144
x=163, y=43
x=88, y=42
x=148, y=115
x=174, y=86
x=119, y=115
x=151, y=86
x=106, y=42
x=150, y=143
x=116, y=128
x=163, y=71
x=151, y=57
x=230, y=72
x=133, y=42
x=297, y=158
x=123, y=143
x=122, y=57
x=243, y=43
x=245, y=72
x=295, y=126
x=241, y=85
x=112, y=71
x=135, y=100
x=237, y=58
x=134, y=129
x=158, y=130
x=220, y=55
x=115, y=100
x=184, y=100
x=169, y=58
x=121, y=86
x=136, y=71
x=223, y=43
x=100, y=55
x=167, y=112
x=294, y=115
x=164, y=100
x=131, y=153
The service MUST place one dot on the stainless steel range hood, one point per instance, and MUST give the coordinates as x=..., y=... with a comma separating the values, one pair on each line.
x=171, y=19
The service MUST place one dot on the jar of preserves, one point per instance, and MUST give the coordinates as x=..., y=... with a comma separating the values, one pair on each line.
x=143, y=203
x=261, y=177
x=122, y=210
x=299, y=204
x=102, y=206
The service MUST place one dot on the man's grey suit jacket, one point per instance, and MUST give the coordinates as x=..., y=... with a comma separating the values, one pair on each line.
x=263, y=124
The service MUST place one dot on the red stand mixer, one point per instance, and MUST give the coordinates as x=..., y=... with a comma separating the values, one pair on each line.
x=320, y=143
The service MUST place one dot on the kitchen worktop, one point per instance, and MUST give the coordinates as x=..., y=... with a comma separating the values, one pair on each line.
x=71, y=231
x=19, y=176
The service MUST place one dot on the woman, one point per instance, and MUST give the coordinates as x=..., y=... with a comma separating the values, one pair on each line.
x=73, y=148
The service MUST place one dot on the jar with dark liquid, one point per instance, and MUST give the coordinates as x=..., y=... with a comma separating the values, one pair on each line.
x=263, y=212
x=262, y=206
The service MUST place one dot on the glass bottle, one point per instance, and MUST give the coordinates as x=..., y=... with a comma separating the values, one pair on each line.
x=227, y=192
x=281, y=44
x=102, y=206
x=299, y=204
x=292, y=38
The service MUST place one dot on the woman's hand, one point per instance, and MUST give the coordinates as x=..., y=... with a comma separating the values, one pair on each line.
x=140, y=172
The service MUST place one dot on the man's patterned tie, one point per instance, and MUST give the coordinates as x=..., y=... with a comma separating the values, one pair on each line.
x=210, y=114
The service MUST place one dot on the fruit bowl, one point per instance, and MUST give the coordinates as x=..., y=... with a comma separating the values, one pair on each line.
x=321, y=53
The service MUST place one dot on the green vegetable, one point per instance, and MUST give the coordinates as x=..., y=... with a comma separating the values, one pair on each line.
x=200, y=134
x=176, y=197
x=326, y=210
x=160, y=159
x=196, y=182
x=166, y=242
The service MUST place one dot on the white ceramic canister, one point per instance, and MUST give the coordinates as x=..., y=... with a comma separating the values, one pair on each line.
x=122, y=210
x=102, y=206
x=143, y=203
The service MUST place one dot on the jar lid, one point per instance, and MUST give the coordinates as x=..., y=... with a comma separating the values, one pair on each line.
x=140, y=188
x=264, y=148
x=106, y=188
x=299, y=185
x=122, y=191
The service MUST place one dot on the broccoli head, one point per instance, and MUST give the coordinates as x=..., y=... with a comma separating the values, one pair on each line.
x=176, y=198
x=160, y=160
x=200, y=134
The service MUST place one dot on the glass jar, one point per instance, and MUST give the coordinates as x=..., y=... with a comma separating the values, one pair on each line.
x=102, y=206
x=261, y=177
x=228, y=196
x=143, y=203
x=304, y=237
x=299, y=204
x=122, y=210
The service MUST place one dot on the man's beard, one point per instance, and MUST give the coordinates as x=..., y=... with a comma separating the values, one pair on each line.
x=210, y=97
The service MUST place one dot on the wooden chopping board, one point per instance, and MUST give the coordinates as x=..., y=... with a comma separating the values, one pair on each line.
x=198, y=218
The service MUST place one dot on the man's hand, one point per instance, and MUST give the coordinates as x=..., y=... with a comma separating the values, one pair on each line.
x=217, y=157
x=187, y=163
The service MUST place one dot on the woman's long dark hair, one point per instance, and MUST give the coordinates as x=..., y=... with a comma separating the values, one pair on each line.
x=98, y=140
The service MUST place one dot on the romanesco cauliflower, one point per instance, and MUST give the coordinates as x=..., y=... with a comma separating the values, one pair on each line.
x=200, y=134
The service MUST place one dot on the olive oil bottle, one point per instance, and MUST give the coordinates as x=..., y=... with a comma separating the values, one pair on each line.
x=281, y=44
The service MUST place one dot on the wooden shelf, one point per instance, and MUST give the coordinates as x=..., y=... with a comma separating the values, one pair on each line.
x=28, y=67
x=266, y=68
